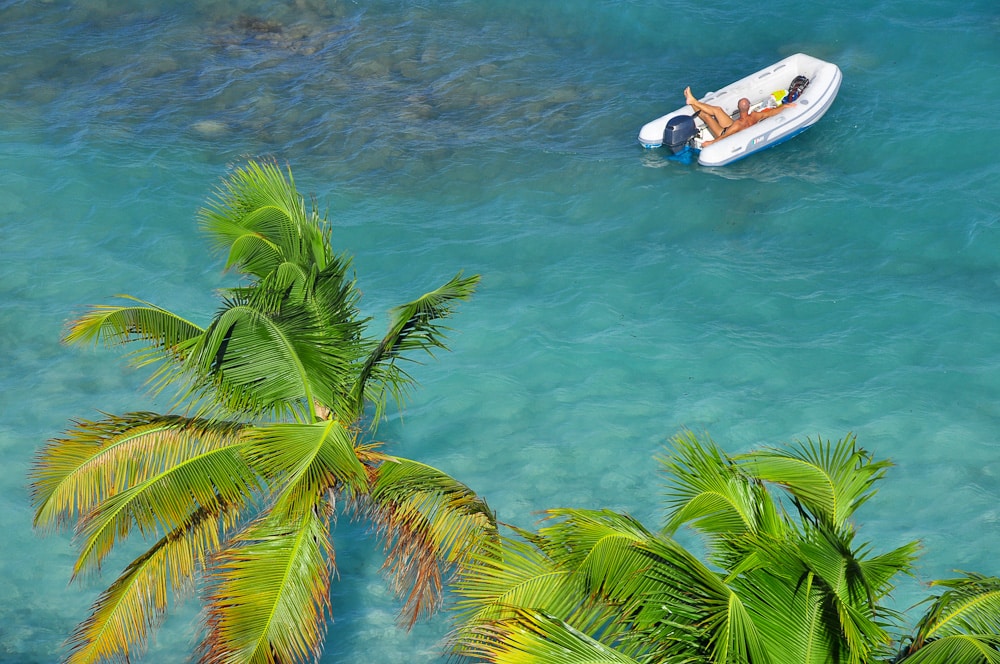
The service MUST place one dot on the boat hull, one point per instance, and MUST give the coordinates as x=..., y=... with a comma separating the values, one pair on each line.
x=824, y=83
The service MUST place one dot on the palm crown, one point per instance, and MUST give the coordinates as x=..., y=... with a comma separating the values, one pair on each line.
x=240, y=483
x=785, y=580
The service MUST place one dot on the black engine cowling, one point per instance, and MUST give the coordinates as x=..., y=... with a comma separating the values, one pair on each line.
x=679, y=130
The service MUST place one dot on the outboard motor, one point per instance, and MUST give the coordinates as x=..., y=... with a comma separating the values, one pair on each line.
x=679, y=130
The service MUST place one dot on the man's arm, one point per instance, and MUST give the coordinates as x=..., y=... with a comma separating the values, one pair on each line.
x=765, y=113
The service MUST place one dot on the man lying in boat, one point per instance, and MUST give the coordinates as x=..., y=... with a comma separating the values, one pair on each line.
x=720, y=123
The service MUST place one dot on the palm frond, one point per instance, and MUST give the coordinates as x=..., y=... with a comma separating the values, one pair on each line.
x=122, y=618
x=255, y=253
x=830, y=557
x=336, y=294
x=507, y=574
x=260, y=220
x=163, y=501
x=429, y=524
x=268, y=596
x=601, y=547
x=969, y=607
x=254, y=363
x=605, y=574
x=288, y=282
x=116, y=326
x=957, y=649
x=811, y=597
x=734, y=636
x=708, y=491
x=97, y=460
x=791, y=618
x=829, y=480
x=534, y=637
x=879, y=571
x=688, y=611
x=301, y=461
x=165, y=338
x=412, y=326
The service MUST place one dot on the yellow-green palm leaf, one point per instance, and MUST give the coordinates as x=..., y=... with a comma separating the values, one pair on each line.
x=509, y=574
x=125, y=613
x=785, y=581
x=97, y=460
x=303, y=461
x=958, y=649
x=163, y=501
x=165, y=339
x=534, y=637
x=268, y=601
x=429, y=525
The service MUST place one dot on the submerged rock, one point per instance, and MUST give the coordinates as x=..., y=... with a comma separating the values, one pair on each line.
x=256, y=26
x=209, y=128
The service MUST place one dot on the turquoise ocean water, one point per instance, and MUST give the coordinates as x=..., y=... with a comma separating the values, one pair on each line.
x=845, y=281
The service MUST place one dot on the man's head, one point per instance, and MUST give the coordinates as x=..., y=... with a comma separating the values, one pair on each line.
x=744, y=106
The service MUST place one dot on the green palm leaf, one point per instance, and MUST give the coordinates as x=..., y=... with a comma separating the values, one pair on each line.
x=260, y=220
x=688, y=609
x=621, y=572
x=971, y=604
x=258, y=255
x=412, y=326
x=329, y=294
x=791, y=618
x=958, y=649
x=302, y=461
x=829, y=480
x=962, y=620
x=800, y=612
x=733, y=635
x=602, y=573
x=509, y=574
x=603, y=548
x=116, y=326
x=258, y=364
x=815, y=594
x=880, y=570
x=789, y=586
x=166, y=338
x=707, y=490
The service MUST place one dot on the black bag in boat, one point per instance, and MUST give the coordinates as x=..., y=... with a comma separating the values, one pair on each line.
x=798, y=84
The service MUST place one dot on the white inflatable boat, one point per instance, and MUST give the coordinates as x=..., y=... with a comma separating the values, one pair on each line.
x=766, y=88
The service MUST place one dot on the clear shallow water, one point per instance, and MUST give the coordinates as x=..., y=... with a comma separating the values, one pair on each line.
x=845, y=281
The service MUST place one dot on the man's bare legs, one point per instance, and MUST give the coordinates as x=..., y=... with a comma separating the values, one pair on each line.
x=715, y=117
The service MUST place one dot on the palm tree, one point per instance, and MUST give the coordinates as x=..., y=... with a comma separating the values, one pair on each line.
x=785, y=580
x=267, y=438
